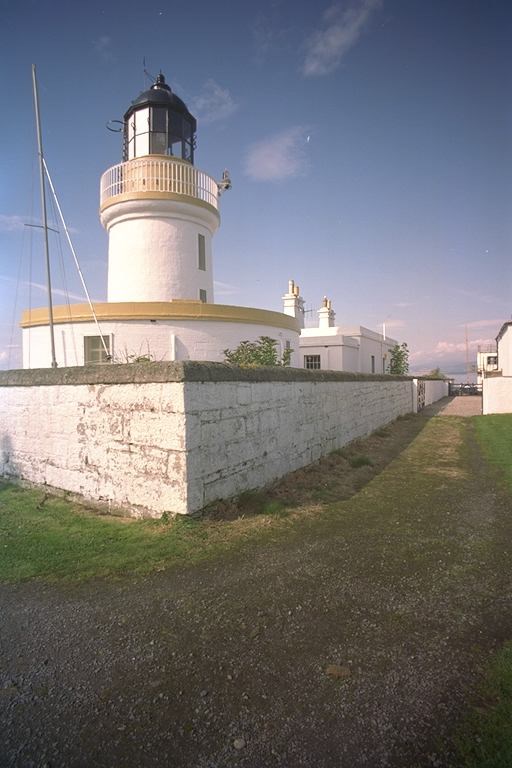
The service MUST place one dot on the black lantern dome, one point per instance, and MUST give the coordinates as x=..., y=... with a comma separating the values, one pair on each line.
x=159, y=123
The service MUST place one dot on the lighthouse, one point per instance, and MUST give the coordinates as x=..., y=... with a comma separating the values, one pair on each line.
x=160, y=213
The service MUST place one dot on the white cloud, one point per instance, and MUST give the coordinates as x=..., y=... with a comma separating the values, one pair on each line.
x=11, y=223
x=15, y=223
x=480, y=297
x=281, y=156
x=448, y=353
x=483, y=324
x=42, y=287
x=225, y=289
x=60, y=292
x=214, y=103
x=267, y=35
x=340, y=30
x=263, y=36
x=103, y=47
x=444, y=348
x=394, y=324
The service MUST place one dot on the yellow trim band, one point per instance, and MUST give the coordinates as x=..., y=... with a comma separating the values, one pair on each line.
x=181, y=309
x=127, y=196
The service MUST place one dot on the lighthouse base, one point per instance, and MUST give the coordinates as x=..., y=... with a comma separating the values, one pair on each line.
x=153, y=331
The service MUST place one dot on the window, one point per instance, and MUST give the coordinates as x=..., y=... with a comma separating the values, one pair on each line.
x=175, y=134
x=158, y=136
x=492, y=360
x=141, y=129
x=94, y=351
x=202, y=295
x=373, y=363
x=312, y=362
x=384, y=364
x=201, y=253
x=188, y=140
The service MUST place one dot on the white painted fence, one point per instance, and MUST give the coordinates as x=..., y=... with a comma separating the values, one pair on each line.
x=161, y=175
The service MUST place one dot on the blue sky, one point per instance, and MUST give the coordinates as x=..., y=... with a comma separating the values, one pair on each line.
x=369, y=143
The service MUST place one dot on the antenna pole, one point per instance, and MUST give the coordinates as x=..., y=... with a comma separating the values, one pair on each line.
x=467, y=355
x=45, y=218
x=66, y=230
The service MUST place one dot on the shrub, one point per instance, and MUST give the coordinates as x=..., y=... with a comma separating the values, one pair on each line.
x=252, y=354
x=360, y=461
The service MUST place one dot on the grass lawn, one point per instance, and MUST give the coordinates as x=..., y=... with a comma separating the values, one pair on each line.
x=486, y=738
x=495, y=437
x=45, y=536
x=50, y=537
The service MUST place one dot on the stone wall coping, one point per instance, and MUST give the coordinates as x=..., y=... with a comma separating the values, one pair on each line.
x=183, y=371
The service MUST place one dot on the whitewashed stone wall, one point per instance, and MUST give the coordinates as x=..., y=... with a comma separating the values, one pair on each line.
x=245, y=434
x=497, y=394
x=435, y=389
x=123, y=445
x=175, y=436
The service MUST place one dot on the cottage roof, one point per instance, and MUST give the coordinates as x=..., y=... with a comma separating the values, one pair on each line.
x=503, y=329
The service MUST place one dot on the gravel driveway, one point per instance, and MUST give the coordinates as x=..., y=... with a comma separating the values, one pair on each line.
x=463, y=405
x=351, y=643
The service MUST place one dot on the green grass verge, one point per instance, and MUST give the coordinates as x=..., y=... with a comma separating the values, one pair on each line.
x=53, y=538
x=485, y=740
x=45, y=536
x=360, y=461
x=495, y=437
x=486, y=737
x=50, y=537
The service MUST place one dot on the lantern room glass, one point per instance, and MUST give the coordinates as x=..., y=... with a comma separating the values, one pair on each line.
x=159, y=130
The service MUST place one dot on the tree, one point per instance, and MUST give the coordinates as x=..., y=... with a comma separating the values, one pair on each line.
x=251, y=354
x=399, y=362
x=435, y=373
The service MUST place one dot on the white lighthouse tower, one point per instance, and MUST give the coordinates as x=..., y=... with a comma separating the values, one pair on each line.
x=160, y=213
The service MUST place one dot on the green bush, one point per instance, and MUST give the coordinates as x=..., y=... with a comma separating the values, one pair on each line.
x=252, y=354
x=360, y=461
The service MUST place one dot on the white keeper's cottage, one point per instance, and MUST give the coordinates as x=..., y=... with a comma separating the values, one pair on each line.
x=328, y=346
x=497, y=382
x=161, y=213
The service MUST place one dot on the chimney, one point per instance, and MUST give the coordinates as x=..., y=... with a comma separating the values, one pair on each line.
x=293, y=303
x=326, y=314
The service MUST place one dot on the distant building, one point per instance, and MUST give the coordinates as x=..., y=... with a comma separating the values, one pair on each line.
x=337, y=348
x=486, y=361
x=497, y=384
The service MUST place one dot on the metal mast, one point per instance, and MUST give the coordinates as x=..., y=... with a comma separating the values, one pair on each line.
x=468, y=367
x=45, y=219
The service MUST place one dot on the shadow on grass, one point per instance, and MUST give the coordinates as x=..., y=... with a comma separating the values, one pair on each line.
x=336, y=477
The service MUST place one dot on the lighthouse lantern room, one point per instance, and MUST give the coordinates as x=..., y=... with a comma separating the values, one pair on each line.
x=159, y=123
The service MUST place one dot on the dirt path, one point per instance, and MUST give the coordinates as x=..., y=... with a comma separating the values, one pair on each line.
x=404, y=589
